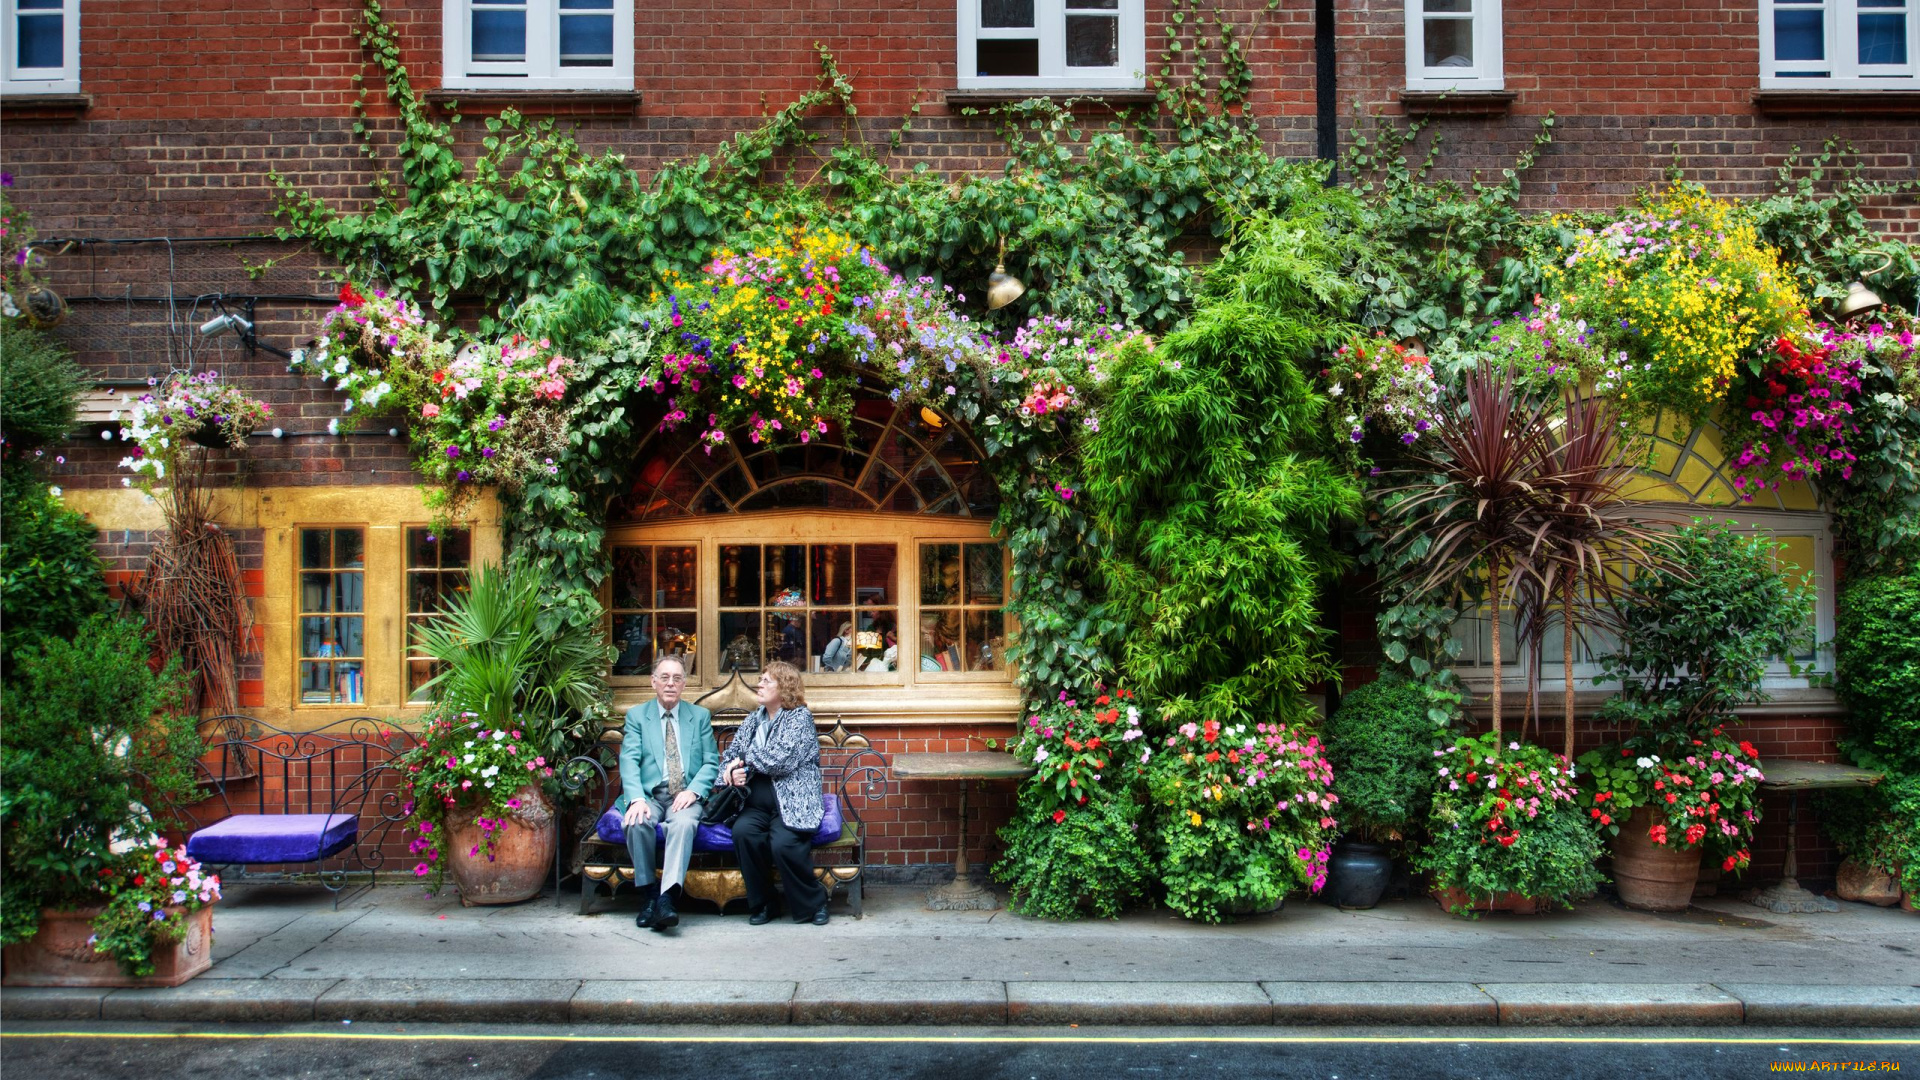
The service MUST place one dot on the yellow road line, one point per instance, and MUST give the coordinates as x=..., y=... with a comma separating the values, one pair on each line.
x=400, y=1036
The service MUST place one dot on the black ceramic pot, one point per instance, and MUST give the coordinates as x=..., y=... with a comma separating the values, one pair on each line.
x=1357, y=874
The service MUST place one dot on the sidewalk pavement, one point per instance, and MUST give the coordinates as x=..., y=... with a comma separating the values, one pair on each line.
x=282, y=954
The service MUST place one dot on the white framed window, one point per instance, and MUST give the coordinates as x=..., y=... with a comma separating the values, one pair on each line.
x=1839, y=44
x=538, y=44
x=1051, y=44
x=42, y=47
x=1454, y=45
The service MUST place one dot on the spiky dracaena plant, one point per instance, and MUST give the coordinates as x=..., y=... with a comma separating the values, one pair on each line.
x=1475, y=502
x=495, y=661
x=1584, y=531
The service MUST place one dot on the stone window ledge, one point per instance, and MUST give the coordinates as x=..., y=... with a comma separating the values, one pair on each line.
x=44, y=106
x=1837, y=102
x=538, y=102
x=956, y=98
x=1457, y=102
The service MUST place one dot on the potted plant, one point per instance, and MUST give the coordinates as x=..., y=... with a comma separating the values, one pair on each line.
x=1697, y=633
x=1663, y=812
x=1506, y=831
x=510, y=698
x=1246, y=816
x=197, y=408
x=1380, y=742
x=93, y=739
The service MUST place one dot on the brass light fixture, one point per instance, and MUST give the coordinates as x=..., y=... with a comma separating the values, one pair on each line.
x=1002, y=288
x=1861, y=299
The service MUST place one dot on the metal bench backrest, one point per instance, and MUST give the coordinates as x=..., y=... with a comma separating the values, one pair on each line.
x=252, y=767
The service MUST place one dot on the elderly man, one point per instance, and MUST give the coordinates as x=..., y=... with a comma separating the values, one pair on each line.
x=668, y=763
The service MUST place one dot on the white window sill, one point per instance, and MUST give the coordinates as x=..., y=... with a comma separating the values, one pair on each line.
x=536, y=85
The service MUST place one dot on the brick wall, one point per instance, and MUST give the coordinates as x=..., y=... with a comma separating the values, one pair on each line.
x=125, y=553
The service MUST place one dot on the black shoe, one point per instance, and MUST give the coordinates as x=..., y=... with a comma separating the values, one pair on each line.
x=820, y=917
x=645, y=918
x=664, y=917
x=761, y=917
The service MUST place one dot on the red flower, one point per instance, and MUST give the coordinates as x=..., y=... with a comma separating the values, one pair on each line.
x=1507, y=840
x=350, y=297
x=1059, y=816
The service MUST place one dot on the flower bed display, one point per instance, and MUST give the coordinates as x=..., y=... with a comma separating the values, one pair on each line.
x=1506, y=820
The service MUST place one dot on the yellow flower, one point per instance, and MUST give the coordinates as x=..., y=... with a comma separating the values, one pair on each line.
x=1194, y=816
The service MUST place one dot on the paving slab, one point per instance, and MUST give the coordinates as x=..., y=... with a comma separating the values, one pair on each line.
x=682, y=1001
x=523, y=1001
x=1828, y=1006
x=219, y=1001
x=1380, y=1003
x=1625, y=1004
x=51, y=1002
x=928, y=1001
x=1202, y=1003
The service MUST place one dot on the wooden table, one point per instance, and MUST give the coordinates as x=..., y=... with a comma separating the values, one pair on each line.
x=1793, y=778
x=961, y=894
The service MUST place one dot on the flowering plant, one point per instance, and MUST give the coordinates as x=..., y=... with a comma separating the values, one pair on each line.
x=1384, y=382
x=151, y=890
x=1703, y=795
x=1036, y=375
x=1076, y=846
x=479, y=413
x=1796, y=418
x=178, y=409
x=1684, y=286
x=1508, y=821
x=1246, y=815
x=463, y=766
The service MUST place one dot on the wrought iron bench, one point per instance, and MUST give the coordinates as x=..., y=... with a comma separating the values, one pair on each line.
x=853, y=774
x=327, y=797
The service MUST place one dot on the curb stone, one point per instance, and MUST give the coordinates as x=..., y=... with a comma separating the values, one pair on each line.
x=929, y=1002
x=1631, y=1005
x=1828, y=1006
x=1380, y=1003
x=510, y=1001
x=220, y=1001
x=1138, y=1003
x=616, y=1002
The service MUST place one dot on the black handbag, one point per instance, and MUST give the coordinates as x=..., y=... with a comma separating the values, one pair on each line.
x=724, y=804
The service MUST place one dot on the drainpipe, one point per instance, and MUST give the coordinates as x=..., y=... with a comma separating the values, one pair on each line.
x=1325, y=88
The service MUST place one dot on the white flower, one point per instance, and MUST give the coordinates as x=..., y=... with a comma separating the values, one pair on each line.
x=54, y=491
x=1336, y=390
x=1039, y=754
x=333, y=426
x=347, y=405
x=498, y=735
x=468, y=760
x=340, y=368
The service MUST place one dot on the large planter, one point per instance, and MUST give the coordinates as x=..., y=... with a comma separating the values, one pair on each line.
x=1650, y=876
x=1457, y=900
x=522, y=853
x=60, y=955
x=1357, y=874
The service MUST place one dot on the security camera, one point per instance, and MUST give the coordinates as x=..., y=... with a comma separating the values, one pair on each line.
x=220, y=324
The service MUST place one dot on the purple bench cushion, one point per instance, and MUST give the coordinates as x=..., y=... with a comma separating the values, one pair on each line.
x=274, y=838
x=719, y=837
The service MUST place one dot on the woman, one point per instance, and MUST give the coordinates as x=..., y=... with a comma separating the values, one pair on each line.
x=839, y=652
x=776, y=754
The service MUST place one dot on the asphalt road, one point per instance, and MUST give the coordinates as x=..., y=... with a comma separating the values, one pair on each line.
x=54, y=1051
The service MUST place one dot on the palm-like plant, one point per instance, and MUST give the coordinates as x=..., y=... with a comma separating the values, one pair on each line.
x=494, y=662
x=1584, y=530
x=1477, y=511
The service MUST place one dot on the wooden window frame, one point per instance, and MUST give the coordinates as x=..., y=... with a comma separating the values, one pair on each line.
x=407, y=614
x=1840, y=25
x=1049, y=28
x=541, y=69
x=1489, y=69
x=367, y=642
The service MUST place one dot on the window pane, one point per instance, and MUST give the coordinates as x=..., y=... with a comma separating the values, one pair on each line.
x=832, y=574
x=1093, y=41
x=874, y=575
x=1799, y=35
x=586, y=41
x=348, y=684
x=1093, y=5
x=632, y=577
x=1004, y=59
x=633, y=637
x=315, y=545
x=423, y=549
x=740, y=576
x=940, y=641
x=676, y=637
x=1443, y=7
x=1449, y=43
x=787, y=638
x=352, y=642
x=316, y=592
x=830, y=641
x=986, y=575
x=878, y=640
x=939, y=573
x=418, y=672
x=41, y=41
x=786, y=575
x=984, y=647
x=739, y=641
x=316, y=684
x=1005, y=13
x=499, y=35
x=348, y=548
x=320, y=636
x=349, y=592
x=1883, y=39
x=676, y=583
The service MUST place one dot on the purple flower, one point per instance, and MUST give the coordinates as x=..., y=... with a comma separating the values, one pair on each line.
x=463, y=476
x=452, y=452
x=6, y=179
x=487, y=451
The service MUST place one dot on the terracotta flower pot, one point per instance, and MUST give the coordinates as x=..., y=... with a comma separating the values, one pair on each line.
x=1650, y=876
x=1456, y=900
x=522, y=853
x=59, y=954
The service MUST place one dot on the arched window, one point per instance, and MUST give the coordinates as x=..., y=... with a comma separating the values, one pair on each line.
x=862, y=556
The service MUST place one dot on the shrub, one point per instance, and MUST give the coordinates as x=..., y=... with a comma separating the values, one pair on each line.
x=1879, y=826
x=1508, y=824
x=1697, y=633
x=40, y=386
x=1877, y=650
x=1380, y=742
x=1075, y=861
x=50, y=575
x=90, y=740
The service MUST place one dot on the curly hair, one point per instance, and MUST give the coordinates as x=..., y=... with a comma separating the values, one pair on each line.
x=793, y=692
